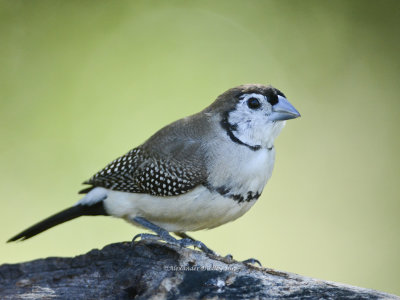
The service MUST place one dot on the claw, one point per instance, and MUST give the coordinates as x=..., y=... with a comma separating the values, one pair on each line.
x=136, y=237
x=204, y=248
x=247, y=261
x=229, y=256
x=252, y=261
x=145, y=236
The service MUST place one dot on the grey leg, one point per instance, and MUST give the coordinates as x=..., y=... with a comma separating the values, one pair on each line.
x=183, y=235
x=164, y=235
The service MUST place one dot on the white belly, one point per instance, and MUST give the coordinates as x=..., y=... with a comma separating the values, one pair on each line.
x=195, y=210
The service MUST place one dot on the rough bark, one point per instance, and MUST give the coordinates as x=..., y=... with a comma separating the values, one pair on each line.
x=153, y=270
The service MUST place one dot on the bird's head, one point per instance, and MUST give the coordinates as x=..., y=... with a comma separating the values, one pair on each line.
x=253, y=114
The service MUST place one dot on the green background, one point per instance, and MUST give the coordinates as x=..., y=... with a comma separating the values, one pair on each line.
x=82, y=82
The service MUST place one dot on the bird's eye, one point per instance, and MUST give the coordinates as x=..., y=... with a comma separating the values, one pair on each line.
x=253, y=103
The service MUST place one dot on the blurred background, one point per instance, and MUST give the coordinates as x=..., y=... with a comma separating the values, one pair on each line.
x=82, y=82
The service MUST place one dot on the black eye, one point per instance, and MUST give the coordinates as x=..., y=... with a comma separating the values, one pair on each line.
x=253, y=103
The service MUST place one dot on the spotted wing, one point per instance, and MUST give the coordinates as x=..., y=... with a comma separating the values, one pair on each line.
x=141, y=172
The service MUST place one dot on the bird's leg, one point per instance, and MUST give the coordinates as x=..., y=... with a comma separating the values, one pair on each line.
x=164, y=235
x=183, y=235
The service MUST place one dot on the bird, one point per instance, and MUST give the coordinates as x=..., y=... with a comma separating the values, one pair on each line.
x=196, y=173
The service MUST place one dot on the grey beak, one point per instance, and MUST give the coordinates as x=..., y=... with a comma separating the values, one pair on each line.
x=283, y=110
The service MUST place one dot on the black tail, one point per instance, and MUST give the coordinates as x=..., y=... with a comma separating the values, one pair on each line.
x=73, y=212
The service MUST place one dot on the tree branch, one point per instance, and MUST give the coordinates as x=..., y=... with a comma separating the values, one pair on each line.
x=156, y=270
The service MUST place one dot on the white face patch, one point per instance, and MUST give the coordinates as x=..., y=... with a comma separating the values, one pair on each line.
x=246, y=97
x=252, y=125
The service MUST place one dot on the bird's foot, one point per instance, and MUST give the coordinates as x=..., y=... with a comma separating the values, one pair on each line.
x=252, y=261
x=183, y=243
x=186, y=241
x=145, y=236
x=199, y=244
x=163, y=235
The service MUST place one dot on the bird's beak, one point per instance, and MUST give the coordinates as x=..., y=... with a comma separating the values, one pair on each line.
x=283, y=110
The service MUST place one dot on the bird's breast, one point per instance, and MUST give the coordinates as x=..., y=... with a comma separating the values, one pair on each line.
x=243, y=171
